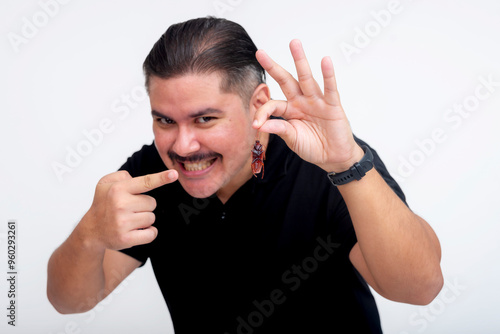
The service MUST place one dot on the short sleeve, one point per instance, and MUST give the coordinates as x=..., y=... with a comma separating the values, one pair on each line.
x=341, y=213
x=382, y=170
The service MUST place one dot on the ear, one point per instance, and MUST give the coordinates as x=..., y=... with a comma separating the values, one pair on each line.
x=260, y=96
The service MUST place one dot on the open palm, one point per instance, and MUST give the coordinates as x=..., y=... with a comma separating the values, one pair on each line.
x=315, y=125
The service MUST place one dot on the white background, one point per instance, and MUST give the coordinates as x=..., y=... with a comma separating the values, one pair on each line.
x=398, y=80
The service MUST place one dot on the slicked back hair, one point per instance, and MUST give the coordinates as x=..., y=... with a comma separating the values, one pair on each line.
x=205, y=46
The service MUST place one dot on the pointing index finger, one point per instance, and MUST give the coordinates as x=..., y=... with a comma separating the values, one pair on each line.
x=142, y=184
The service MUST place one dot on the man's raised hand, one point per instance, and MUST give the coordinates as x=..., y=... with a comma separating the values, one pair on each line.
x=315, y=125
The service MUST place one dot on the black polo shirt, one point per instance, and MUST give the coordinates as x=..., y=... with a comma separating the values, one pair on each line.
x=273, y=259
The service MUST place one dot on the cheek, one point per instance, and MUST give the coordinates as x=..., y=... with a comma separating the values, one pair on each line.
x=238, y=150
x=236, y=140
x=161, y=139
x=163, y=143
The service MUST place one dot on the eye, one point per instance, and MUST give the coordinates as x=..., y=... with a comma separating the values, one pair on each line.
x=204, y=119
x=164, y=120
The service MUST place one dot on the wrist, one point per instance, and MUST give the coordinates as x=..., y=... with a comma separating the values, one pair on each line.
x=356, y=172
x=355, y=155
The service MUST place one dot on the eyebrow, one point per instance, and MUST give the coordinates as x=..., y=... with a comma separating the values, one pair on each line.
x=196, y=114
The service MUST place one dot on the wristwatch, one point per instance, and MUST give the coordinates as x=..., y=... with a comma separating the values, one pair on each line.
x=356, y=172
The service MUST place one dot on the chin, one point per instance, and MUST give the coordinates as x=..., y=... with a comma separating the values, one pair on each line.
x=199, y=191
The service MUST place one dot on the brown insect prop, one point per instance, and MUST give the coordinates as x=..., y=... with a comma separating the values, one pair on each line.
x=258, y=156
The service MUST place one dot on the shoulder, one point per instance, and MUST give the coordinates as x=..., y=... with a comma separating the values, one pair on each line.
x=312, y=180
x=382, y=170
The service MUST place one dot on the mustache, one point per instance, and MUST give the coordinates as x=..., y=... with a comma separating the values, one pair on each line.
x=193, y=158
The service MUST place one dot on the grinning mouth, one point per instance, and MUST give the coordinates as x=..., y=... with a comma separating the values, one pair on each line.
x=196, y=162
x=197, y=166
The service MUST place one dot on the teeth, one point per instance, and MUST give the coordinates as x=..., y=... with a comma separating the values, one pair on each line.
x=191, y=167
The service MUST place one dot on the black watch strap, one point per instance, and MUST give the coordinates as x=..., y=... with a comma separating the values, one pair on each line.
x=356, y=172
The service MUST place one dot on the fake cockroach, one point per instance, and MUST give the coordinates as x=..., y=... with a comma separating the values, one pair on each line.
x=258, y=156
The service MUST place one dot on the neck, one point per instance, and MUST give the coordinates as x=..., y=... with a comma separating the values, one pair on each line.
x=225, y=193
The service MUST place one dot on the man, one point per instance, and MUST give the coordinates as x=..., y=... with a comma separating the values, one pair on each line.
x=288, y=251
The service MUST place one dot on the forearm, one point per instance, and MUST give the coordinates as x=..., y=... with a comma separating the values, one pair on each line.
x=88, y=265
x=76, y=281
x=400, y=250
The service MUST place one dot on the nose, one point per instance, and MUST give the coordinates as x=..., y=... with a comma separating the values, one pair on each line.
x=186, y=142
